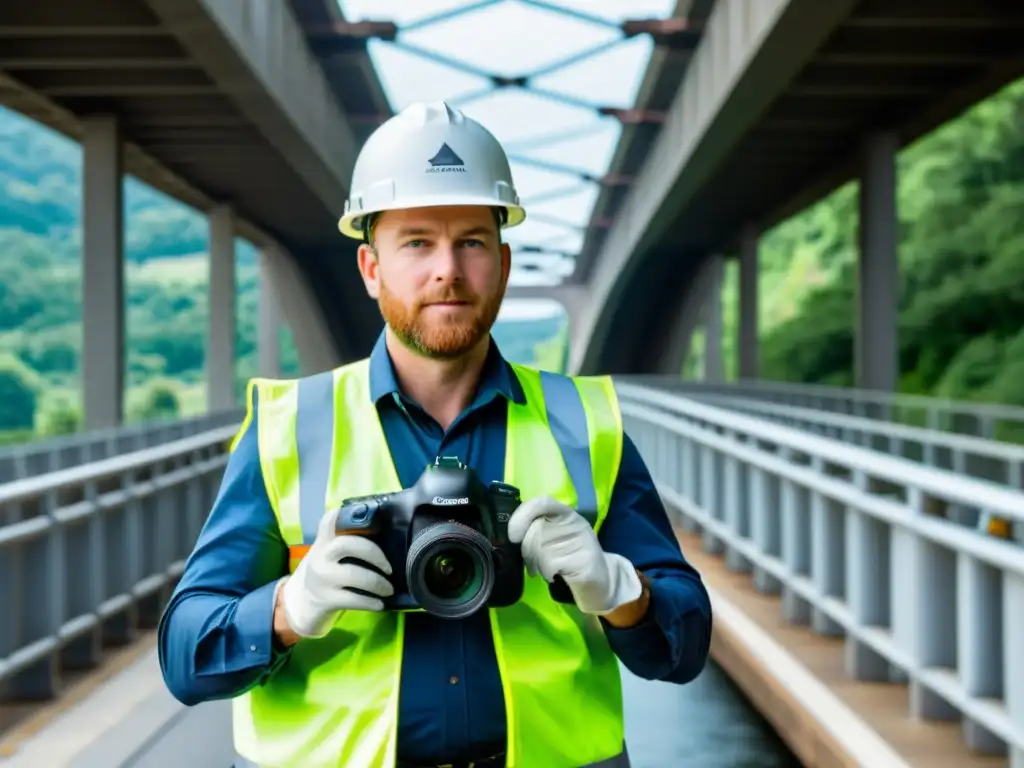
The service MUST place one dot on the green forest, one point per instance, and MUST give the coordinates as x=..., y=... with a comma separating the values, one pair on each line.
x=961, y=191
x=961, y=200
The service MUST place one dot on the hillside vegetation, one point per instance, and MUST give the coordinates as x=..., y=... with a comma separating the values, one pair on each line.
x=961, y=212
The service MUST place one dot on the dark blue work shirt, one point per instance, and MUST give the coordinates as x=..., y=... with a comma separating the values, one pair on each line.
x=216, y=637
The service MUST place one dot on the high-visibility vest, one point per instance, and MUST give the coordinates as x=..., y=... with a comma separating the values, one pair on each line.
x=335, y=701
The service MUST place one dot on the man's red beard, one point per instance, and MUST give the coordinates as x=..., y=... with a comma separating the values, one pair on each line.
x=440, y=337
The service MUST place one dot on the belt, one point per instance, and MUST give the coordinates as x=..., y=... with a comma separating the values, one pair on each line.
x=494, y=761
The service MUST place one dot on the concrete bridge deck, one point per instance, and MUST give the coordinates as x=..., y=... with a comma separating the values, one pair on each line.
x=124, y=717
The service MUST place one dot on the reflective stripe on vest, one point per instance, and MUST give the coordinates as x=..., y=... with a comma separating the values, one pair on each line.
x=314, y=436
x=335, y=701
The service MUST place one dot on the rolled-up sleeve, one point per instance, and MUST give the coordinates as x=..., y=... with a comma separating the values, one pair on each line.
x=215, y=638
x=673, y=641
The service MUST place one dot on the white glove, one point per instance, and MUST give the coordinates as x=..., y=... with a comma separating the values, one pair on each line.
x=320, y=588
x=557, y=540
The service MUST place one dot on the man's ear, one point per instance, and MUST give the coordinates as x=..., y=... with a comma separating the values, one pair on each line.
x=367, y=259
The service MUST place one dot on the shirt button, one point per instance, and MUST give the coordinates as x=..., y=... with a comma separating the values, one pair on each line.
x=252, y=648
x=453, y=680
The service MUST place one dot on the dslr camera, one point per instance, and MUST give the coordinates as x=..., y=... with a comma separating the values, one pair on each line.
x=450, y=532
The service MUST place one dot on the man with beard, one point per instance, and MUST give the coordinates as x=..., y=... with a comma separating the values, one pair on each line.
x=282, y=615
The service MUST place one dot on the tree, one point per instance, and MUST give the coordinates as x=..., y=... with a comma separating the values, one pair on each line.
x=19, y=387
x=159, y=402
x=61, y=418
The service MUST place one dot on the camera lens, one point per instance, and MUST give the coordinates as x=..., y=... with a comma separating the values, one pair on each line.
x=449, y=570
x=449, y=574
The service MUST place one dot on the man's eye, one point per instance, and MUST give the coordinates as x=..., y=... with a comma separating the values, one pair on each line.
x=415, y=244
x=473, y=243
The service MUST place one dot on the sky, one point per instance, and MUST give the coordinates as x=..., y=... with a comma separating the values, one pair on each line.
x=514, y=38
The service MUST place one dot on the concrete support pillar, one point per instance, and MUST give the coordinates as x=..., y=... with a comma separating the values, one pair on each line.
x=103, y=343
x=679, y=338
x=299, y=308
x=714, y=368
x=681, y=324
x=220, y=344
x=269, y=330
x=877, y=338
x=748, y=305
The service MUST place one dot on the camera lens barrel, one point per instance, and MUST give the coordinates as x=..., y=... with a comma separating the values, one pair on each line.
x=450, y=570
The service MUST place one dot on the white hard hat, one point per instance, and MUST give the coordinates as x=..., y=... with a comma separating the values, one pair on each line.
x=429, y=154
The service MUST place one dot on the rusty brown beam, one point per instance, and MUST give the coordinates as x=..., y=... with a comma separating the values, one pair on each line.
x=354, y=30
x=634, y=116
x=676, y=33
x=616, y=180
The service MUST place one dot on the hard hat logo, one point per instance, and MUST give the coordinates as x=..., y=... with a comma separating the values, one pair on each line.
x=409, y=162
x=446, y=161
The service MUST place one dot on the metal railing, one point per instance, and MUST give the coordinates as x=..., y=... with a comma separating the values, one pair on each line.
x=855, y=543
x=985, y=420
x=88, y=554
x=991, y=460
x=53, y=454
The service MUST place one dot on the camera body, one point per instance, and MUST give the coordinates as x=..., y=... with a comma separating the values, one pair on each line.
x=446, y=538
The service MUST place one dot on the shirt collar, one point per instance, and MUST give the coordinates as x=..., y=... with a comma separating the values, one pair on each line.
x=496, y=379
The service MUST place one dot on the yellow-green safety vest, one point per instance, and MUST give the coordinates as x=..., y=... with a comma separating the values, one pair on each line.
x=334, y=702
